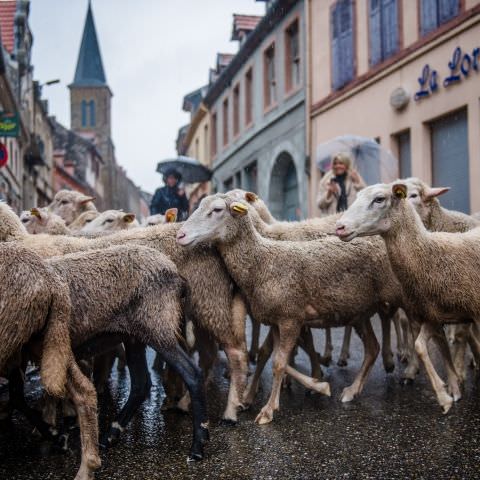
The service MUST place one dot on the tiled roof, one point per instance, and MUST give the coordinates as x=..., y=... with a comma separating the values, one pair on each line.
x=89, y=71
x=7, y=17
x=243, y=24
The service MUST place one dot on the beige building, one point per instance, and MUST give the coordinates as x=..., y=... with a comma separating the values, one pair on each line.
x=407, y=73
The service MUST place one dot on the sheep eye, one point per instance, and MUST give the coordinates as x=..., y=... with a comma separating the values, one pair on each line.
x=64, y=202
x=25, y=220
x=218, y=209
x=108, y=220
x=413, y=195
x=379, y=199
x=88, y=221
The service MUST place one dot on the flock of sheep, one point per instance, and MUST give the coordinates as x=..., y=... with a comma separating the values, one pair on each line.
x=81, y=287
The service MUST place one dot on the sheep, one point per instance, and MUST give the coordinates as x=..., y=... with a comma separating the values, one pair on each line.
x=439, y=272
x=291, y=284
x=311, y=229
x=40, y=220
x=438, y=219
x=37, y=300
x=82, y=220
x=170, y=216
x=217, y=307
x=69, y=204
x=111, y=221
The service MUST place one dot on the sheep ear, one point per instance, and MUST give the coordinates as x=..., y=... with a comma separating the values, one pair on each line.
x=238, y=209
x=251, y=197
x=36, y=213
x=171, y=215
x=432, y=192
x=399, y=190
x=129, y=217
x=85, y=200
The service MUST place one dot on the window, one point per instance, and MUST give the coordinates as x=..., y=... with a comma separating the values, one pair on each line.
x=435, y=12
x=236, y=110
x=292, y=57
x=84, y=113
x=341, y=24
x=383, y=29
x=404, y=154
x=248, y=97
x=213, y=146
x=251, y=177
x=225, y=122
x=228, y=184
x=205, y=143
x=270, y=84
x=88, y=113
x=238, y=180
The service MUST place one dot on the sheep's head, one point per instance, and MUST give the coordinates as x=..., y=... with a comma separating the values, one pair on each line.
x=370, y=213
x=255, y=201
x=422, y=197
x=83, y=219
x=170, y=216
x=111, y=221
x=70, y=204
x=213, y=221
x=34, y=220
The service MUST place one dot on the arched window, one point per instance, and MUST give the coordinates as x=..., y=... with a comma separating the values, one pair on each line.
x=92, y=113
x=84, y=113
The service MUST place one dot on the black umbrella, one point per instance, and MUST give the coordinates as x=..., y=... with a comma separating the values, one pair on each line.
x=192, y=170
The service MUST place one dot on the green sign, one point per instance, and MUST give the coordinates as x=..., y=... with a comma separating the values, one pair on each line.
x=9, y=124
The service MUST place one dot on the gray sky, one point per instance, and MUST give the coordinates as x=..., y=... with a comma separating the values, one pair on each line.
x=153, y=52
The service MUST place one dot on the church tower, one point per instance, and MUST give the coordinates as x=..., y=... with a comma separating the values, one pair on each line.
x=90, y=104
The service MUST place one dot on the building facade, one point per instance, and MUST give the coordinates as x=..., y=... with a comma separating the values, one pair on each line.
x=257, y=112
x=407, y=73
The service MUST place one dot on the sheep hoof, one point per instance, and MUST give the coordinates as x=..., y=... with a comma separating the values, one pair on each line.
x=265, y=416
x=348, y=395
x=194, y=457
x=406, y=381
x=323, y=388
x=325, y=360
x=252, y=357
x=342, y=362
x=228, y=422
x=389, y=367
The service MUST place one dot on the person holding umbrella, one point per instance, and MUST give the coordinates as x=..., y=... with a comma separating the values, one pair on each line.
x=170, y=196
x=338, y=188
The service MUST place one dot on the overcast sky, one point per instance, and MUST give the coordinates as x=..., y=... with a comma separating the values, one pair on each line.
x=153, y=52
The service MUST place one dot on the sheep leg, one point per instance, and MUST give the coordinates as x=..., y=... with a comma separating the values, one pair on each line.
x=421, y=346
x=284, y=339
x=399, y=332
x=387, y=354
x=306, y=342
x=371, y=349
x=411, y=333
x=326, y=358
x=178, y=360
x=345, y=352
x=238, y=378
x=140, y=385
x=17, y=401
x=252, y=354
x=207, y=352
x=262, y=358
x=84, y=397
x=452, y=377
x=474, y=343
x=457, y=336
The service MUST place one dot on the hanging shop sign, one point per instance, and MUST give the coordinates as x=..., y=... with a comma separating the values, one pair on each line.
x=460, y=66
x=9, y=124
x=3, y=155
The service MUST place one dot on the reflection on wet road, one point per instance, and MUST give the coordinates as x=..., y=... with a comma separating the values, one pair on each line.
x=391, y=431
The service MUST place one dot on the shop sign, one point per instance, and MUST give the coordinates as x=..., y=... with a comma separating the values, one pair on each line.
x=9, y=124
x=460, y=66
x=3, y=155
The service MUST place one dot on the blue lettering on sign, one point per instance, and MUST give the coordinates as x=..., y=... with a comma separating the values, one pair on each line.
x=459, y=66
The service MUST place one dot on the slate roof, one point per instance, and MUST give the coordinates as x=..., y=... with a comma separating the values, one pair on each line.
x=89, y=71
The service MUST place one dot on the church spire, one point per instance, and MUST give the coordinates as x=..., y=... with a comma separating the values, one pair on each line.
x=89, y=71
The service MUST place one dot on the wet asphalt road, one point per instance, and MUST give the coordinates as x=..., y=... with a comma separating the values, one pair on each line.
x=391, y=431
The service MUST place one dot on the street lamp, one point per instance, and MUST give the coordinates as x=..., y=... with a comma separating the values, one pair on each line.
x=51, y=82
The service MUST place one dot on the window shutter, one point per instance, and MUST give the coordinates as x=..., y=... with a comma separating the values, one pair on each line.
x=447, y=9
x=346, y=43
x=389, y=27
x=375, y=32
x=429, y=15
x=336, y=60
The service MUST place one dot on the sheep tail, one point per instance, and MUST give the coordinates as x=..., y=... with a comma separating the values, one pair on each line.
x=57, y=351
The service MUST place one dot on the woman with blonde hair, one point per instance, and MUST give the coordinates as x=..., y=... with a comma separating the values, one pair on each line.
x=338, y=188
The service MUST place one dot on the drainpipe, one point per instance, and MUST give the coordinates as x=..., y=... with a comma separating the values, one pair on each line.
x=308, y=97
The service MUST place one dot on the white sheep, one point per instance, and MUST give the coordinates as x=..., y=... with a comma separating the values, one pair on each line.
x=111, y=221
x=439, y=272
x=69, y=204
x=40, y=220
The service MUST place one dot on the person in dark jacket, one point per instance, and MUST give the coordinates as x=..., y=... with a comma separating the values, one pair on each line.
x=170, y=196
